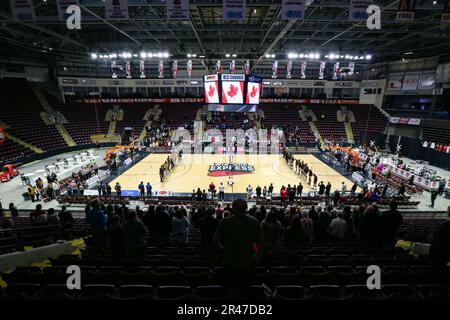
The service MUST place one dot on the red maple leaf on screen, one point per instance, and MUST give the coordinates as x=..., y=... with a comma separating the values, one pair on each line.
x=211, y=91
x=233, y=91
x=253, y=92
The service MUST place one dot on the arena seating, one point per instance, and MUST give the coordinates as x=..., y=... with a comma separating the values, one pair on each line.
x=166, y=272
x=83, y=120
x=26, y=123
x=327, y=124
x=11, y=151
x=367, y=118
x=178, y=114
x=133, y=116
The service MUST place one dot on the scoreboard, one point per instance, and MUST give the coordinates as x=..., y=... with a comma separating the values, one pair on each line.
x=235, y=89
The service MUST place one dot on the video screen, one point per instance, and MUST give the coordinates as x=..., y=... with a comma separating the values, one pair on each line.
x=233, y=88
x=232, y=107
x=211, y=83
x=254, y=85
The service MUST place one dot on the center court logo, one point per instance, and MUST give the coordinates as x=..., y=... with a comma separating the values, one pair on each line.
x=229, y=169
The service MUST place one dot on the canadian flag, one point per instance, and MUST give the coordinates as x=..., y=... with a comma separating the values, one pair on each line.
x=253, y=92
x=232, y=92
x=211, y=92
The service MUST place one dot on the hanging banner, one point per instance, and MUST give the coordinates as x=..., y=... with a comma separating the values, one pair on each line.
x=189, y=68
x=293, y=9
x=336, y=71
x=303, y=70
x=128, y=69
x=142, y=68
x=116, y=9
x=446, y=13
x=161, y=69
x=177, y=9
x=289, y=70
x=234, y=10
x=321, y=70
x=233, y=66
x=406, y=10
x=174, y=68
x=62, y=7
x=275, y=69
x=114, y=69
x=357, y=10
x=410, y=81
x=247, y=67
x=218, y=67
x=351, y=68
x=22, y=10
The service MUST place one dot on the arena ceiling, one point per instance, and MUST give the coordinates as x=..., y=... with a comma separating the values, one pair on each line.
x=325, y=29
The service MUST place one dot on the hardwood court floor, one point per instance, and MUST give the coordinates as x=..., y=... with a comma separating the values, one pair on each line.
x=192, y=172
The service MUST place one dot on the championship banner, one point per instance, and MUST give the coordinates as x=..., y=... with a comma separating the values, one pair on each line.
x=357, y=10
x=275, y=69
x=336, y=71
x=351, y=68
x=446, y=13
x=189, y=68
x=218, y=67
x=62, y=7
x=142, y=68
x=303, y=70
x=22, y=10
x=406, y=10
x=2, y=136
x=161, y=69
x=128, y=69
x=177, y=9
x=293, y=9
x=116, y=9
x=114, y=69
x=247, y=67
x=233, y=66
x=321, y=70
x=174, y=68
x=234, y=10
x=289, y=70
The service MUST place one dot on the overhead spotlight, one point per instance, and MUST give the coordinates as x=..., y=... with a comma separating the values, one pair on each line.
x=143, y=55
x=301, y=55
x=295, y=56
x=408, y=53
x=150, y=55
x=351, y=57
x=347, y=56
x=342, y=57
x=234, y=55
x=434, y=3
x=135, y=55
x=368, y=57
x=189, y=55
x=373, y=69
x=317, y=55
x=331, y=56
x=267, y=55
x=113, y=56
x=201, y=56
x=403, y=59
x=227, y=55
x=160, y=54
x=272, y=55
x=194, y=55
x=254, y=11
x=165, y=55
x=290, y=56
x=94, y=56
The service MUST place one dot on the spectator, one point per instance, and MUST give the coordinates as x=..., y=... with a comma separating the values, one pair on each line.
x=141, y=188
x=134, y=233
x=208, y=227
x=390, y=220
x=440, y=244
x=52, y=218
x=338, y=228
x=97, y=220
x=249, y=191
x=370, y=228
x=271, y=235
x=258, y=191
x=38, y=216
x=221, y=192
x=308, y=226
x=180, y=227
x=65, y=218
x=116, y=237
x=294, y=234
x=238, y=236
x=434, y=195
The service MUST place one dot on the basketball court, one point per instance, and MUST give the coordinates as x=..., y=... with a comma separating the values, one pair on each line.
x=193, y=169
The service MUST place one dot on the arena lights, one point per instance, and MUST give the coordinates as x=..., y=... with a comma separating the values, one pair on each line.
x=227, y=55
x=330, y=56
x=129, y=55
